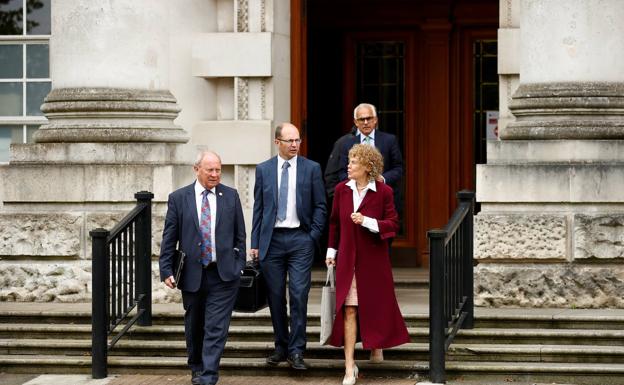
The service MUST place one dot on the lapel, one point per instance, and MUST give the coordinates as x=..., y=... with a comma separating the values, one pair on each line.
x=378, y=139
x=272, y=179
x=368, y=197
x=219, y=200
x=192, y=204
x=299, y=181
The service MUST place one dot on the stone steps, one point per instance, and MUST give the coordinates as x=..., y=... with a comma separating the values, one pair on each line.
x=587, y=373
x=264, y=332
x=260, y=349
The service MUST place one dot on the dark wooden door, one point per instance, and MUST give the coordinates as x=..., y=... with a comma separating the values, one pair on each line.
x=415, y=60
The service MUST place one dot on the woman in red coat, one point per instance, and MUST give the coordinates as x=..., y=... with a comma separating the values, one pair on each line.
x=362, y=221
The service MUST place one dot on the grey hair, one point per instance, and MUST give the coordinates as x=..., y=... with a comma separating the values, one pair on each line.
x=361, y=105
x=202, y=153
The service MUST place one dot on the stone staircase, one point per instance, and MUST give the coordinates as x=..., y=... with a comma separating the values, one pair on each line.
x=572, y=346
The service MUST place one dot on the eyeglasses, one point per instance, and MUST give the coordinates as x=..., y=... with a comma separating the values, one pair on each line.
x=291, y=141
x=365, y=118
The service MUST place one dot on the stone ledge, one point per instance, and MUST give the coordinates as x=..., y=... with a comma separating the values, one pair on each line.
x=554, y=151
x=100, y=153
x=544, y=183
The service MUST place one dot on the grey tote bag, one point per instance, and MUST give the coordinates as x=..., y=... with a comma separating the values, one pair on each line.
x=328, y=306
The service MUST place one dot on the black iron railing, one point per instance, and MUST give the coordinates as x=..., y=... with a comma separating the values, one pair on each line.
x=121, y=280
x=451, y=301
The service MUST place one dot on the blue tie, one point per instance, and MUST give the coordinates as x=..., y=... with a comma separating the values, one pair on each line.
x=206, y=230
x=282, y=199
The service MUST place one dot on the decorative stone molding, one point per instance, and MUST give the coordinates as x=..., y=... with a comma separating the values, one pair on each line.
x=599, y=236
x=516, y=237
x=242, y=15
x=110, y=115
x=243, y=185
x=536, y=285
x=242, y=98
x=583, y=110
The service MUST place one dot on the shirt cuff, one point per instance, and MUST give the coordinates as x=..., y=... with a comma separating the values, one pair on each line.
x=331, y=253
x=370, y=224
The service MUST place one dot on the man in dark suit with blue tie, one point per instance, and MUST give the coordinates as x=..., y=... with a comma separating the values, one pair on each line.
x=365, y=119
x=288, y=219
x=205, y=221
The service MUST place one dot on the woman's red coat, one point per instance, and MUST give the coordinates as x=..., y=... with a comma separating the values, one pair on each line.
x=381, y=324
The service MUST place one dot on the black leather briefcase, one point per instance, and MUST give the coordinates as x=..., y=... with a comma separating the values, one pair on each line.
x=252, y=294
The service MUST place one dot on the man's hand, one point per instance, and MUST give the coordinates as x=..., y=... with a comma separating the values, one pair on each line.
x=170, y=282
x=253, y=253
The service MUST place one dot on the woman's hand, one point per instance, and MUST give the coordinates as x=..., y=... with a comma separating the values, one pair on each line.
x=330, y=262
x=357, y=218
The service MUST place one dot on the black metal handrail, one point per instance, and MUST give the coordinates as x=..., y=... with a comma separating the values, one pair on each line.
x=451, y=298
x=121, y=279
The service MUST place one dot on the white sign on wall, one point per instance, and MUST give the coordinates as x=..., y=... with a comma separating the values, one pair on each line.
x=491, y=126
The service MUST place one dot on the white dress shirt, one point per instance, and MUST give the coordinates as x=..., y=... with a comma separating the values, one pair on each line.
x=370, y=223
x=291, y=220
x=371, y=138
x=212, y=201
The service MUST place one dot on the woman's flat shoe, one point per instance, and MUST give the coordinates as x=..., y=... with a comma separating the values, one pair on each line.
x=376, y=358
x=351, y=380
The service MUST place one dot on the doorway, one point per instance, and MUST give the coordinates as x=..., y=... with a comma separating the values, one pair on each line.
x=415, y=62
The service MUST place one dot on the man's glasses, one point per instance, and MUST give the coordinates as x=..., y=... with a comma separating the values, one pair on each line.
x=365, y=118
x=291, y=141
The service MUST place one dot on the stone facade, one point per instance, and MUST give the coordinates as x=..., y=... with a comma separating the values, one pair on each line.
x=136, y=89
x=550, y=232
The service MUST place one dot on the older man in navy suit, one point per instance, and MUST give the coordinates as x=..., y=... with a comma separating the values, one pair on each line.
x=365, y=119
x=288, y=218
x=205, y=221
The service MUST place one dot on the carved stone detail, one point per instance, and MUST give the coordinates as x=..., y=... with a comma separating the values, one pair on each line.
x=520, y=237
x=599, y=236
x=242, y=16
x=242, y=98
x=40, y=235
x=565, y=285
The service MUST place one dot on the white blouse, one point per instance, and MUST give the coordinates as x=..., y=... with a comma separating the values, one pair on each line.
x=369, y=223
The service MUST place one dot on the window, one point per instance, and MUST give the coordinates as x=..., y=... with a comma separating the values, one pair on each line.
x=24, y=69
x=485, y=92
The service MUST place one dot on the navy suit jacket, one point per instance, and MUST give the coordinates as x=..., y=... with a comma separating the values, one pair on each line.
x=311, y=205
x=182, y=232
x=388, y=145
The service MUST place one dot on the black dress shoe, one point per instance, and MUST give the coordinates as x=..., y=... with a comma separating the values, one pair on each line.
x=195, y=377
x=296, y=361
x=276, y=358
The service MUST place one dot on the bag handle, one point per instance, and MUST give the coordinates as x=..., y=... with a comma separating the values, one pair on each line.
x=331, y=280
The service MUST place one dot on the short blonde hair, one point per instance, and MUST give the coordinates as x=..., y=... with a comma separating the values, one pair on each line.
x=368, y=156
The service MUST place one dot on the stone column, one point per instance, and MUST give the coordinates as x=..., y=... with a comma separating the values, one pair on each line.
x=110, y=133
x=552, y=222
